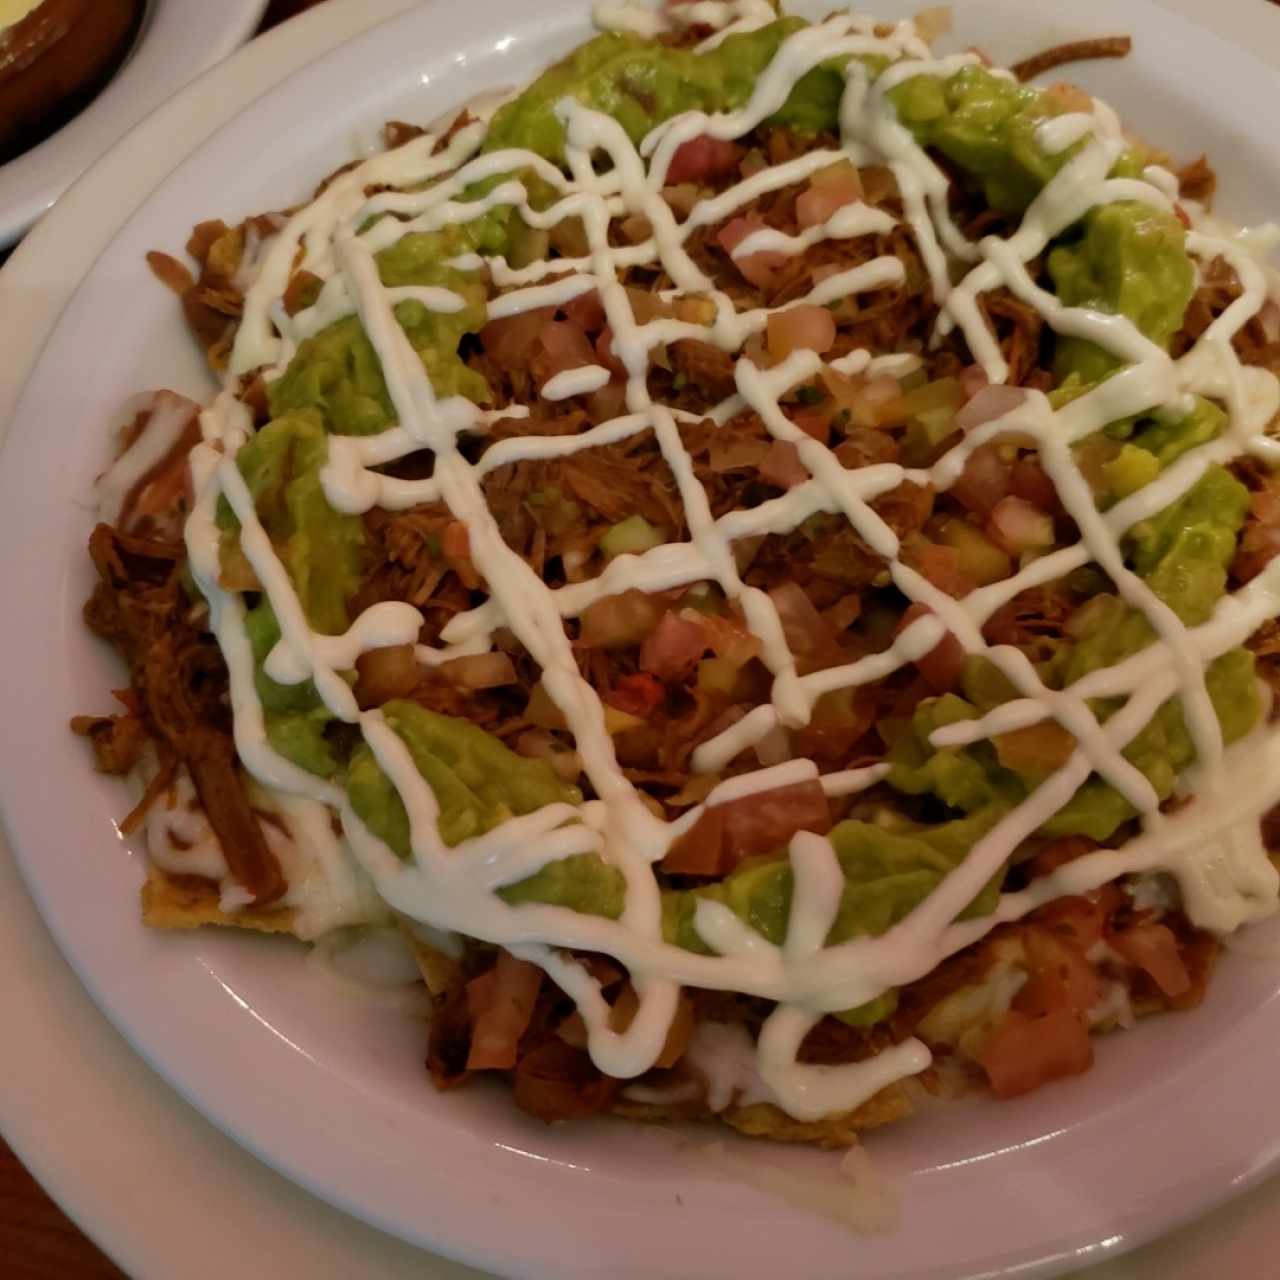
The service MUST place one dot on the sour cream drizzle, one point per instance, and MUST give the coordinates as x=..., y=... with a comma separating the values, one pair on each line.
x=1211, y=846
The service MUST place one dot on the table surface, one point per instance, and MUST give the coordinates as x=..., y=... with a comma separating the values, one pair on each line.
x=37, y=1240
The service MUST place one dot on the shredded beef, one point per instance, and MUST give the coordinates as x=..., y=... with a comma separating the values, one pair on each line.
x=180, y=680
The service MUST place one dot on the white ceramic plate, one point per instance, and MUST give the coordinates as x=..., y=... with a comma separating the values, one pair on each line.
x=333, y=1094
x=178, y=40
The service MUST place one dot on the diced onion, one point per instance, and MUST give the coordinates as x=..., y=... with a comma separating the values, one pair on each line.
x=989, y=404
x=1018, y=526
x=829, y=189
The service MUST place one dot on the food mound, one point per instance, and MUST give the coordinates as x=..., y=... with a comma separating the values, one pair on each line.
x=753, y=555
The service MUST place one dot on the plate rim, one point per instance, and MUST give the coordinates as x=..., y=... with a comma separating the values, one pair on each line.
x=1256, y=1173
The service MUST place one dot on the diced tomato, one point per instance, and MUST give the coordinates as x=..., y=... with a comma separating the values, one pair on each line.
x=941, y=565
x=555, y=1082
x=1024, y=1052
x=624, y=1011
x=810, y=637
x=703, y=159
x=638, y=695
x=728, y=638
x=672, y=649
x=781, y=466
x=942, y=665
x=456, y=550
x=866, y=448
x=1153, y=949
x=758, y=268
x=512, y=341
x=801, y=328
x=984, y=480
x=605, y=353
x=725, y=834
x=1061, y=977
x=829, y=189
x=1080, y=920
x=501, y=1003
x=608, y=403
x=564, y=346
x=840, y=720
x=1199, y=954
x=1030, y=482
x=905, y=508
x=586, y=310
x=813, y=422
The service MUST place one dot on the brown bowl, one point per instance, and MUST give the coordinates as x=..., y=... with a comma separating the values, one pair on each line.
x=55, y=61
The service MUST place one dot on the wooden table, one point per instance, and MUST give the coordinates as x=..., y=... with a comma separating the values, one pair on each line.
x=37, y=1240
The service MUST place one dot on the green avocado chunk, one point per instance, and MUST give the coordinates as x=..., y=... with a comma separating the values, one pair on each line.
x=336, y=373
x=886, y=875
x=322, y=550
x=1124, y=258
x=294, y=715
x=1163, y=748
x=1169, y=435
x=985, y=125
x=1182, y=553
x=641, y=83
x=1131, y=260
x=478, y=783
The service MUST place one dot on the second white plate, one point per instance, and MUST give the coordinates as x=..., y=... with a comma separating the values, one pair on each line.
x=178, y=40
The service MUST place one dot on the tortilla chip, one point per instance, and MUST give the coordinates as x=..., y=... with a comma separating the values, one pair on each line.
x=439, y=971
x=764, y=1120
x=188, y=902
